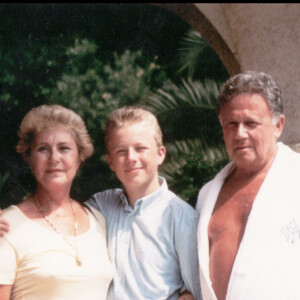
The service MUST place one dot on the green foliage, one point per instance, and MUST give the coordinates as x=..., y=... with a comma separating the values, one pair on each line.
x=93, y=89
x=190, y=163
x=111, y=61
x=191, y=129
x=196, y=59
x=3, y=178
x=188, y=53
x=187, y=179
x=90, y=86
x=186, y=112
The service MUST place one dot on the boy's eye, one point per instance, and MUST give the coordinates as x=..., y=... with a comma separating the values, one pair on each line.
x=120, y=151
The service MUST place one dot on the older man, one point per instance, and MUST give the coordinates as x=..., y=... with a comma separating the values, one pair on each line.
x=248, y=234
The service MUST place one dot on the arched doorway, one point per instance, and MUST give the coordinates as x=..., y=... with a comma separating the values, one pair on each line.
x=192, y=15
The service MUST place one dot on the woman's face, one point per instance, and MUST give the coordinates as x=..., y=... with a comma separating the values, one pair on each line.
x=54, y=158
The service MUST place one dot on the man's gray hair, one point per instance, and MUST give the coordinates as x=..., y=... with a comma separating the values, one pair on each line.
x=252, y=82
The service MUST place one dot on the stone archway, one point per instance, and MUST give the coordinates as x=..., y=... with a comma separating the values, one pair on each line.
x=192, y=15
x=254, y=36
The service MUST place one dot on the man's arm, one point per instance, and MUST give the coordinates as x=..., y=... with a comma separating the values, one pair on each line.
x=4, y=227
x=186, y=296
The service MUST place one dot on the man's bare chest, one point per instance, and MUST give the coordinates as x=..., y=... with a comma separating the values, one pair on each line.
x=232, y=208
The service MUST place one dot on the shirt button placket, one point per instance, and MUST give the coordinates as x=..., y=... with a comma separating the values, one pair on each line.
x=122, y=255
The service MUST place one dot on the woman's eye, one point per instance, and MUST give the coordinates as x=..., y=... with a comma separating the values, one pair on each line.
x=231, y=124
x=64, y=148
x=43, y=148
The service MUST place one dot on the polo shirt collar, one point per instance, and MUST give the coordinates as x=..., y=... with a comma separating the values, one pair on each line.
x=144, y=202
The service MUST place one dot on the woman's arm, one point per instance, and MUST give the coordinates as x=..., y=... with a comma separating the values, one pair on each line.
x=5, y=291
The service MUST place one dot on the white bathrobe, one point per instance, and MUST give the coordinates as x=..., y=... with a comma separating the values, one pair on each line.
x=267, y=265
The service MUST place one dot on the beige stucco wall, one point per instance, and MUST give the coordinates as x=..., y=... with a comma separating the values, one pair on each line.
x=263, y=37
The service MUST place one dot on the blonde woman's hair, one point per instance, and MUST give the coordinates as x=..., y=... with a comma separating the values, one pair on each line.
x=46, y=116
x=132, y=114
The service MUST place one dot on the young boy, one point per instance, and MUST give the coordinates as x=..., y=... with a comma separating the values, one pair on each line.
x=151, y=233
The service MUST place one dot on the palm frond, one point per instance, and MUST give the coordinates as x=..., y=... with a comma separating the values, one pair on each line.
x=178, y=149
x=185, y=109
x=189, y=51
x=189, y=93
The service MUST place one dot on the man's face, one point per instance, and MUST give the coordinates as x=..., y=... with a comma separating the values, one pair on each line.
x=250, y=132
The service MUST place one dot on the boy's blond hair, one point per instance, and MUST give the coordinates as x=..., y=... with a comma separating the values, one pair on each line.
x=132, y=114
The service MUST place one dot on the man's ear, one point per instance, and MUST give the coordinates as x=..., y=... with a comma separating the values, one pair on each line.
x=109, y=161
x=279, y=126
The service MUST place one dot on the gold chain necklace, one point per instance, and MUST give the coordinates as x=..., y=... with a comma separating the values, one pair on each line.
x=41, y=211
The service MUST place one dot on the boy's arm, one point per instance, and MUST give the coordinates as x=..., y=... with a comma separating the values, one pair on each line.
x=4, y=226
x=5, y=291
x=186, y=247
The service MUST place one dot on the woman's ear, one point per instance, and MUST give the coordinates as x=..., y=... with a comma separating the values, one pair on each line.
x=28, y=161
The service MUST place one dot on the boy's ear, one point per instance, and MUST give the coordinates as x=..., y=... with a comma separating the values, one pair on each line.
x=110, y=164
x=162, y=154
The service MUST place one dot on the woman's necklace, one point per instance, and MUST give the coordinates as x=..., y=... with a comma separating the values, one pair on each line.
x=41, y=211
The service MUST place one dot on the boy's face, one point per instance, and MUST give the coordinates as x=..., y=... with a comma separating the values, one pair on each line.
x=134, y=156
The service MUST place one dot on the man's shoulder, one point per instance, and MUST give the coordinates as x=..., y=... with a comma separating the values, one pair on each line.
x=288, y=153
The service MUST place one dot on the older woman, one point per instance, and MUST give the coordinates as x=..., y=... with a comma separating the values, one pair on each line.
x=56, y=248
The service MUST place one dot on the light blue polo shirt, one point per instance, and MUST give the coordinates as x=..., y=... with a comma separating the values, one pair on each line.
x=153, y=247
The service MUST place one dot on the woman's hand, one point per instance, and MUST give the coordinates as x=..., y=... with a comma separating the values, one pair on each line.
x=4, y=228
